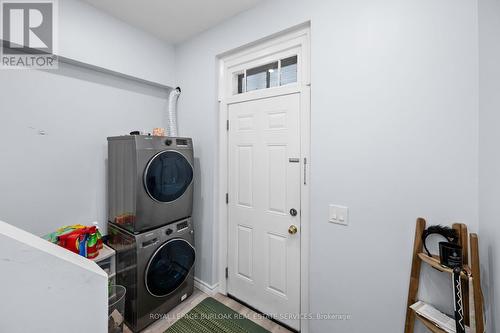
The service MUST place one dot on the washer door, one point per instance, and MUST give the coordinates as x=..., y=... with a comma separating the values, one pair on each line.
x=167, y=176
x=169, y=267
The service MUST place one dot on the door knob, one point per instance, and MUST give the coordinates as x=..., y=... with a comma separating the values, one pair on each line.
x=292, y=230
x=293, y=212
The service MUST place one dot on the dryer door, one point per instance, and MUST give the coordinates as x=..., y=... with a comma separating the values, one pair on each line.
x=167, y=176
x=169, y=267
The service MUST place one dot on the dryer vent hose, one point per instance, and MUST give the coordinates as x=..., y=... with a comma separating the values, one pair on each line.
x=172, y=112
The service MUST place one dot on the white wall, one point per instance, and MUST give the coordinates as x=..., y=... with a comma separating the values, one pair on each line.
x=489, y=158
x=394, y=137
x=91, y=36
x=59, y=178
x=46, y=288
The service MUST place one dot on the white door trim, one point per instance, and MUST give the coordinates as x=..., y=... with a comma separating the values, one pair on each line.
x=298, y=37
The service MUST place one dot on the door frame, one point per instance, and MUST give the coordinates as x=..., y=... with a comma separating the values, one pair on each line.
x=294, y=38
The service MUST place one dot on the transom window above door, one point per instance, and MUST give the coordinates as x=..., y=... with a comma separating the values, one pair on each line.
x=274, y=74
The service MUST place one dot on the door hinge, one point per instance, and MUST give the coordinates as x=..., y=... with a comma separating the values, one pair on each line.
x=227, y=198
x=227, y=124
x=227, y=272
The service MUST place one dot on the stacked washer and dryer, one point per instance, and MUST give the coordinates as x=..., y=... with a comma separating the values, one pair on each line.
x=150, y=200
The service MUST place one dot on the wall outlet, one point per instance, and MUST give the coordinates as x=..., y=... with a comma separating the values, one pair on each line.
x=338, y=215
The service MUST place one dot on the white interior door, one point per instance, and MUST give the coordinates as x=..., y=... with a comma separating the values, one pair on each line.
x=264, y=189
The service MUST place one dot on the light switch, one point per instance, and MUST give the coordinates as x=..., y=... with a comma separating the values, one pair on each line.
x=338, y=214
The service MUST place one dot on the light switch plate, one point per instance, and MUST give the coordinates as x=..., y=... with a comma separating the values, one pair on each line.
x=338, y=215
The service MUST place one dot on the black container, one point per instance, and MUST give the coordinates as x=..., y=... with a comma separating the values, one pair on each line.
x=450, y=254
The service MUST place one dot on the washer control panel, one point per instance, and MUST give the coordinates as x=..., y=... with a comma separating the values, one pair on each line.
x=182, y=225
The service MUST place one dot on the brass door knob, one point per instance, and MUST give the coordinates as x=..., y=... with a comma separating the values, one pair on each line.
x=292, y=230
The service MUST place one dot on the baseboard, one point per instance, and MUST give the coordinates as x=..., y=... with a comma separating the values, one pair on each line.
x=205, y=287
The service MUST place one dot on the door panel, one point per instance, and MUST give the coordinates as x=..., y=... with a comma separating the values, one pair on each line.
x=277, y=264
x=245, y=173
x=263, y=258
x=277, y=157
x=245, y=252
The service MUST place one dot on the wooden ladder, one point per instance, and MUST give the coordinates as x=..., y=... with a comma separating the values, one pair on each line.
x=472, y=271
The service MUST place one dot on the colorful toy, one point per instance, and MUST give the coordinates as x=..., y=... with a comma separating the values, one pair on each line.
x=86, y=241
